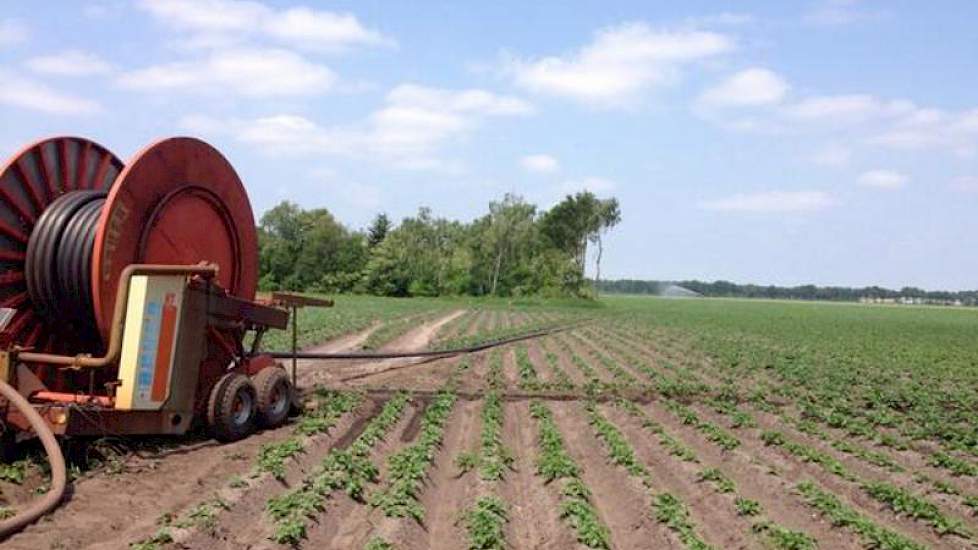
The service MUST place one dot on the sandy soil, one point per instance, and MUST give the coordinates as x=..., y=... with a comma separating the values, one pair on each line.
x=113, y=510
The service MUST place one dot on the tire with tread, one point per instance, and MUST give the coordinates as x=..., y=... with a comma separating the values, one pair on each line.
x=275, y=396
x=232, y=408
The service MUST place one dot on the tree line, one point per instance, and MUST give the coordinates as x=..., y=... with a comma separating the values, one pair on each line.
x=727, y=289
x=514, y=249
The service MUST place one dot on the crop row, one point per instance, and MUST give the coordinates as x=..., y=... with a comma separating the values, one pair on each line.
x=843, y=516
x=553, y=464
x=871, y=407
x=725, y=399
x=667, y=508
x=899, y=500
x=407, y=467
x=485, y=519
x=779, y=536
x=329, y=407
x=349, y=469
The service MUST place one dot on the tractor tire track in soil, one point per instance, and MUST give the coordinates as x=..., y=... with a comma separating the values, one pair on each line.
x=446, y=493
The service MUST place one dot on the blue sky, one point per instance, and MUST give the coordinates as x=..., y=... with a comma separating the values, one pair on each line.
x=827, y=142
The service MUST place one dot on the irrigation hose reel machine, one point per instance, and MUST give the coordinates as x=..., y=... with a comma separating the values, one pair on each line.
x=127, y=292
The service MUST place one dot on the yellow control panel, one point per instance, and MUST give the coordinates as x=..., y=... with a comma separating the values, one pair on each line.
x=148, y=342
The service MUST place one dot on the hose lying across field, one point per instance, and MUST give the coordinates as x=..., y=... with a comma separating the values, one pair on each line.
x=367, y=355
x=55, y=459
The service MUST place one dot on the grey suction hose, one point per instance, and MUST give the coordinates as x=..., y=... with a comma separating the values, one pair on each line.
x=59, y=476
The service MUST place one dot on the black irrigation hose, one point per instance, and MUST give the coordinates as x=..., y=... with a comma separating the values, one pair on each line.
x=420, y=353
x=58, y=262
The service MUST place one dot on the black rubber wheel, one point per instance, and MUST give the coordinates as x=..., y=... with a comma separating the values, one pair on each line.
x=232, y=411
x=274, y=396
x=8, y=445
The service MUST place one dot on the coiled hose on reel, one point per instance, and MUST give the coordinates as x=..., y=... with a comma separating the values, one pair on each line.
x=59, y=259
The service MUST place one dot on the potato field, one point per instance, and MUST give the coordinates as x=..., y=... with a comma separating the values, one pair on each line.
x=642, y=423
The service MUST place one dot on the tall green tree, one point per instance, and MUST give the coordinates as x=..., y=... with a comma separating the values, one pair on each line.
x=378, y=229
x=606, y=215
x=509, y=233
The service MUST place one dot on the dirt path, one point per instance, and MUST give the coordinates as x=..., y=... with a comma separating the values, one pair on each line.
x=415, y=339
x=310, y=372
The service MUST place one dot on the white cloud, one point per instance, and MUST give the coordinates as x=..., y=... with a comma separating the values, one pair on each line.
x=69, y=63
x=754, y=86
x=597, y=186
x=883, y=179
x=407, y=132
x=541, y=164
x=322, y=29
x=471, y=100
x=833, y=154
x=291, y=135
x=247, y=72
x=771, y=201
x=12, y=31
x=618, y=65
x=25, y=93
x=219, y=22
x=418, y=119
